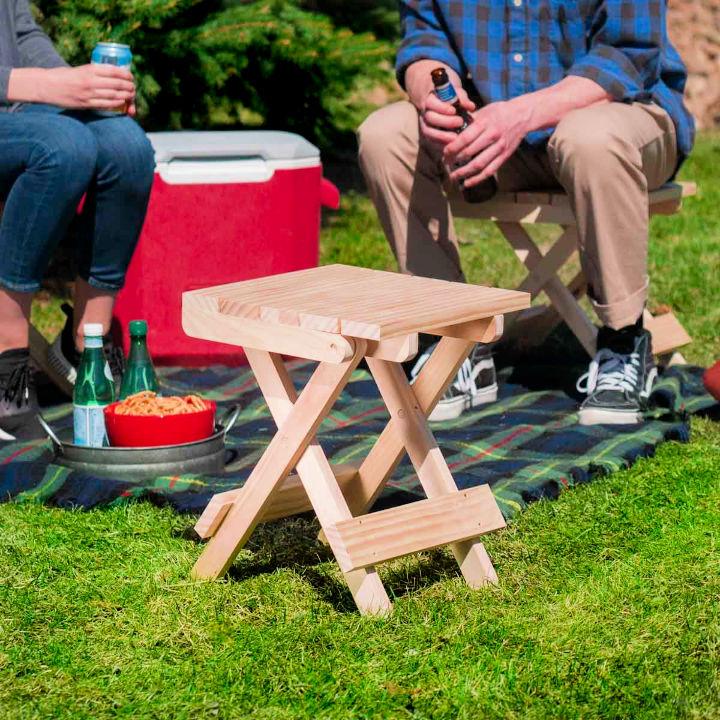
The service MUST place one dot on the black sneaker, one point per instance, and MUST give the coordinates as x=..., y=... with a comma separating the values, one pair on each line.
x=475, y=383
x=65, y=359
x=62, y=355
x=18, y=400
x=618, y=382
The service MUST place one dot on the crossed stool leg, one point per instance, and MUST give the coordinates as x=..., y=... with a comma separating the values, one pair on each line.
x=341, y=496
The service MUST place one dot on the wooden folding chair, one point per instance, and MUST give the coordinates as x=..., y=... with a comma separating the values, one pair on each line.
x=338, y=315
x=512, y=211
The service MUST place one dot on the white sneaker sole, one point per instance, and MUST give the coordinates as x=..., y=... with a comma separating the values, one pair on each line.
x=58, y=362
x=485, y=395
x=596, y=416
x=451, y=409
x=7, y=437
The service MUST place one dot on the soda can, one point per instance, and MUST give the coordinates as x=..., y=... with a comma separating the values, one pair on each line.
x=110, y=53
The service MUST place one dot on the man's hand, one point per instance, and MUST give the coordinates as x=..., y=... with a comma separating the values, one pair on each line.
x=499, y=128
x=438, y=120
x=88, y=87
x=481, y=149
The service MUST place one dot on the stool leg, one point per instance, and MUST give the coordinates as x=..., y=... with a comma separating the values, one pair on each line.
x=550, y=263
x=542, y=323
x=560, y=296
x=389, y=449
x=282, y=454
x=317, y=475
x=432, y=470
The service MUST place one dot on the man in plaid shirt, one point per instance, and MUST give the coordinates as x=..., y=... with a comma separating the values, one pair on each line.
x=583, y=95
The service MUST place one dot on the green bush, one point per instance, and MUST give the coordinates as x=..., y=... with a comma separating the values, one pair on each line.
x=379, y=17
x=210, y=64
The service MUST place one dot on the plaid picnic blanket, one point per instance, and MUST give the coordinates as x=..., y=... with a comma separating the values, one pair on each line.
x=526, y=446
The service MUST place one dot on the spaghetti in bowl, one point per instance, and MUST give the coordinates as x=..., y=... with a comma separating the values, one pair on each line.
x=148, y=420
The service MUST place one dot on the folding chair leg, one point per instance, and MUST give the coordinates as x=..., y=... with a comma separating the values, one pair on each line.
x=387, y=452
x=548, y=265
x=411, y=426
x=282, y=454
x=541, y=321
x=560, y=296
x=317, y=475
x=429, y=386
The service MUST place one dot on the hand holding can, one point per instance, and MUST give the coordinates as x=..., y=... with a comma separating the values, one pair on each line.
x=109, y=53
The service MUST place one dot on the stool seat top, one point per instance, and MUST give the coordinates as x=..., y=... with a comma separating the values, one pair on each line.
x=358, y=302
x=557, y=197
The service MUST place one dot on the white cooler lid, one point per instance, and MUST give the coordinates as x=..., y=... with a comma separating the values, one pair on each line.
x=265, y=144
x=238, y=156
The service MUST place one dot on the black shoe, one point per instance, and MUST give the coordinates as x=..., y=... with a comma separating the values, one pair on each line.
x=619, y=380
x=65, y=359
x=18, y=400
x=62, y=356
x=475, y=383
x=116, y=359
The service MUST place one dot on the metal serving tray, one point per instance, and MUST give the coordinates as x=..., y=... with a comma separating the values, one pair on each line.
x=200, y=457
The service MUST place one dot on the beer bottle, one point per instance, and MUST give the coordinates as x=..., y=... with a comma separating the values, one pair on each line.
x=93, y=390
x=139, y=373
x=446, y=92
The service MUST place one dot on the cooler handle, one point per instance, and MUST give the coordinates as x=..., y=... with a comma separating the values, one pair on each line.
x=182, y=171
x=329, y=194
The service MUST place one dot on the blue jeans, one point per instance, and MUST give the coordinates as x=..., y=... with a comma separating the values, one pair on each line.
x=49, y=159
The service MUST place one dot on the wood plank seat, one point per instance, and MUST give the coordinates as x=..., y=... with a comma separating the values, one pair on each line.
x=512, y=211
x=339, y=315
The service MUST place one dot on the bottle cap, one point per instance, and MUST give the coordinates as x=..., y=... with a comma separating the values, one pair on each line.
x=92, y=330
x=439, y=76
x=138, y=327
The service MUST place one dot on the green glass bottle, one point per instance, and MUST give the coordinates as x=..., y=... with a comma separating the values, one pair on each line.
x=139, y=373
x=94, y=390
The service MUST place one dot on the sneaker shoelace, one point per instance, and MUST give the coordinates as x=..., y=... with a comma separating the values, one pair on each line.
x=466, y=377
x=18, y=385
x=465, y=380
x=610, y=371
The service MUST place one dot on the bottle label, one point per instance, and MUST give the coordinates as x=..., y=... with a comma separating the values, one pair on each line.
x=446, y=93
x=89, y=425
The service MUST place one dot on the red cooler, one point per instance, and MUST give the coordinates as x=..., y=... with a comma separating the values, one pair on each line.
x=225, y=206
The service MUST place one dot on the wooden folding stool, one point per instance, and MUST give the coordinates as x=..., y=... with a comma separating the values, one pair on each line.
x=338, y=315
x=512, y=211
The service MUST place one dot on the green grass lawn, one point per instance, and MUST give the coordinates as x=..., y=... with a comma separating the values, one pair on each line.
x=608, y=604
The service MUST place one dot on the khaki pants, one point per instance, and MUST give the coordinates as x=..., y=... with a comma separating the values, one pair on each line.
x=605, y=157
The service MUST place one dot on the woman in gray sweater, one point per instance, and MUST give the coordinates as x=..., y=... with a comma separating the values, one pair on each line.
x=56, y=148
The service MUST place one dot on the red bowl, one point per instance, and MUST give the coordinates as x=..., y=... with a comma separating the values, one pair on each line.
x=155, y=430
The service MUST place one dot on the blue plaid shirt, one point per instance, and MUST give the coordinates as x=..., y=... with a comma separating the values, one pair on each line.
x=506, y=48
